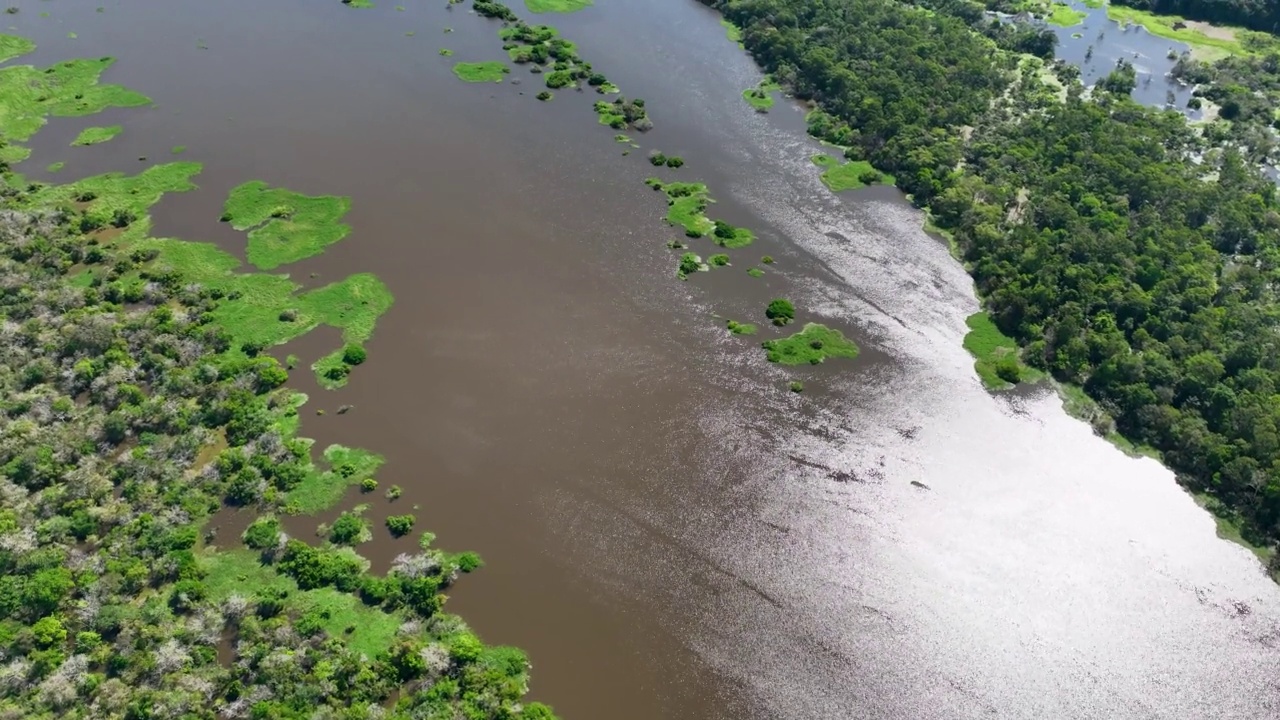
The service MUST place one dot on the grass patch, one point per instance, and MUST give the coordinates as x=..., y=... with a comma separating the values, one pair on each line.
x=241, y=571
x=359, y=4
x=995, y=354
x=286, y=226
x=1093, y=4
x=1243, y=42
x=760, y=97
x=95, y=135
x=478, y=72
x=30, y=96
x=838, y=176
x=557, y=6
x=322, y=489
x=12, y=46
x=741, y=328
x=55, y=167
x=178, y=149
x=445, y=52
x=755, y=272
x=686, y=208
x=731, y=31
x=1064, y=15
x=812, y=345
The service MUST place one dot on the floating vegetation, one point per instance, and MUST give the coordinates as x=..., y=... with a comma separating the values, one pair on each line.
x=55, y=167
x=96, y=135
x=481, y=72
x=755, y=272
x=741, y=328
x=557, y=6
x=446, y=52
x=285, y=226
x=690, y=263
x=68, y=89
x=687, y=204
x=995, y=354
x=812, y=345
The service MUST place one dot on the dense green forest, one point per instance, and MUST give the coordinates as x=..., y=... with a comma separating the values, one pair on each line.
x=1261, y=15
x=1125, y=252
x=136, y=404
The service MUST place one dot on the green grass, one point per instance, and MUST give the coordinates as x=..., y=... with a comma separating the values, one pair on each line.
x=12, y=46
x=95, y=135
x=359, y=4
x=993, y=351
x=178, y=149
x=29, y=96
x=686, y=205
x=755, y=272
x=851, y=175
x=445, y=52
x=242, y=571
x=322, y=489
x=286, y=226
x=741, y=328
x=812, y=345
x=731, y=31
x=55, y=167
x=1228, y=526
x=1244, y=42
x=557, y=6
x=760, y=97
x=1093, y=4
x=478, y=72
x=1065, y=16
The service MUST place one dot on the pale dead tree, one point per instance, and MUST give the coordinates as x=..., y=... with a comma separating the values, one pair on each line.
x=409, y=627
x=171, y=656
x=14, y=677
x=235, y=606
x=111, y=698
x=436, y=658
x=417, y=565
x=59, y=689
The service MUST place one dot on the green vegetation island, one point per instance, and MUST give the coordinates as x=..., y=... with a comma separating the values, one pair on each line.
x=140, y=404
x=1139, y=270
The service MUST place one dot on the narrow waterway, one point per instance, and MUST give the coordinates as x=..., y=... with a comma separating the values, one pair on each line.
x=668, y=531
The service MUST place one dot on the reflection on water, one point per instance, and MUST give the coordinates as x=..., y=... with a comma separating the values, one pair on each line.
x=669, y=532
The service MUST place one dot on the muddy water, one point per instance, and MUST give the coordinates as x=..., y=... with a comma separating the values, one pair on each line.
x=669, y=532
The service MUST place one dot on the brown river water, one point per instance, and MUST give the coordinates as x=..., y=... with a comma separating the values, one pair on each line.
x=670, y=533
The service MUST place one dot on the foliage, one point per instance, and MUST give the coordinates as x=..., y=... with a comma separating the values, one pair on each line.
x=1162, y=18
x=760, y=97
x=400, y=525
x=851, y=175
x=780, y=311
x=811, y=345
x=557, y=6
x=740, y=328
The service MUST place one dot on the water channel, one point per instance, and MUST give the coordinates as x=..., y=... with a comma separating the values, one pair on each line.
x=668, y=531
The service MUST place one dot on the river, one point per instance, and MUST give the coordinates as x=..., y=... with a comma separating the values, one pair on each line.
x=669, y=532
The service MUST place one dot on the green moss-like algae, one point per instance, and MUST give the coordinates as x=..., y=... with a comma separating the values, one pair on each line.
x=477, y=72
x=12, y=46
x=838, y=176
x=286, y=226
x=28, y=97
x=810, y=346
x=95, y=135
x=557, y=6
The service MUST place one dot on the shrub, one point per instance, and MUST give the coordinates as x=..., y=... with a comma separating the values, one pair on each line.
x=767, y=260
x=719, y=260
x=394, y=492
x=1007, y=369
x=780, y=311
x=596, y=80
x=354, y=354
x=400, y=525
x=797, y=386
x=262, y=533
x=657, y=159
x=870, y=177
x=544, y=96
x=690, y=263
x=468, y=561
x=347, y=529
x=675, y=161
x=368, y=485
x=559, y=79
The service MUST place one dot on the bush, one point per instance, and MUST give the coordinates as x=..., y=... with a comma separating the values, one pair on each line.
x=394, y=492
x=657, y=159
x=347, y=529
x=596, y=80
x=468, y=561
x=689, y=263
x=354, y=355
x=675, y=161
x=544, y=96
x=719, y=260
x=262, y=534
x=1007, y=369
x=368, y=485
x=767, y=260
x=797, y=386
x=400, y=525
x=780, y=311
x=559, y=79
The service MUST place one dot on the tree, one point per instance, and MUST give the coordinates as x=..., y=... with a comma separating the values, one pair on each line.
x=400, y=525
x=780, y=311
